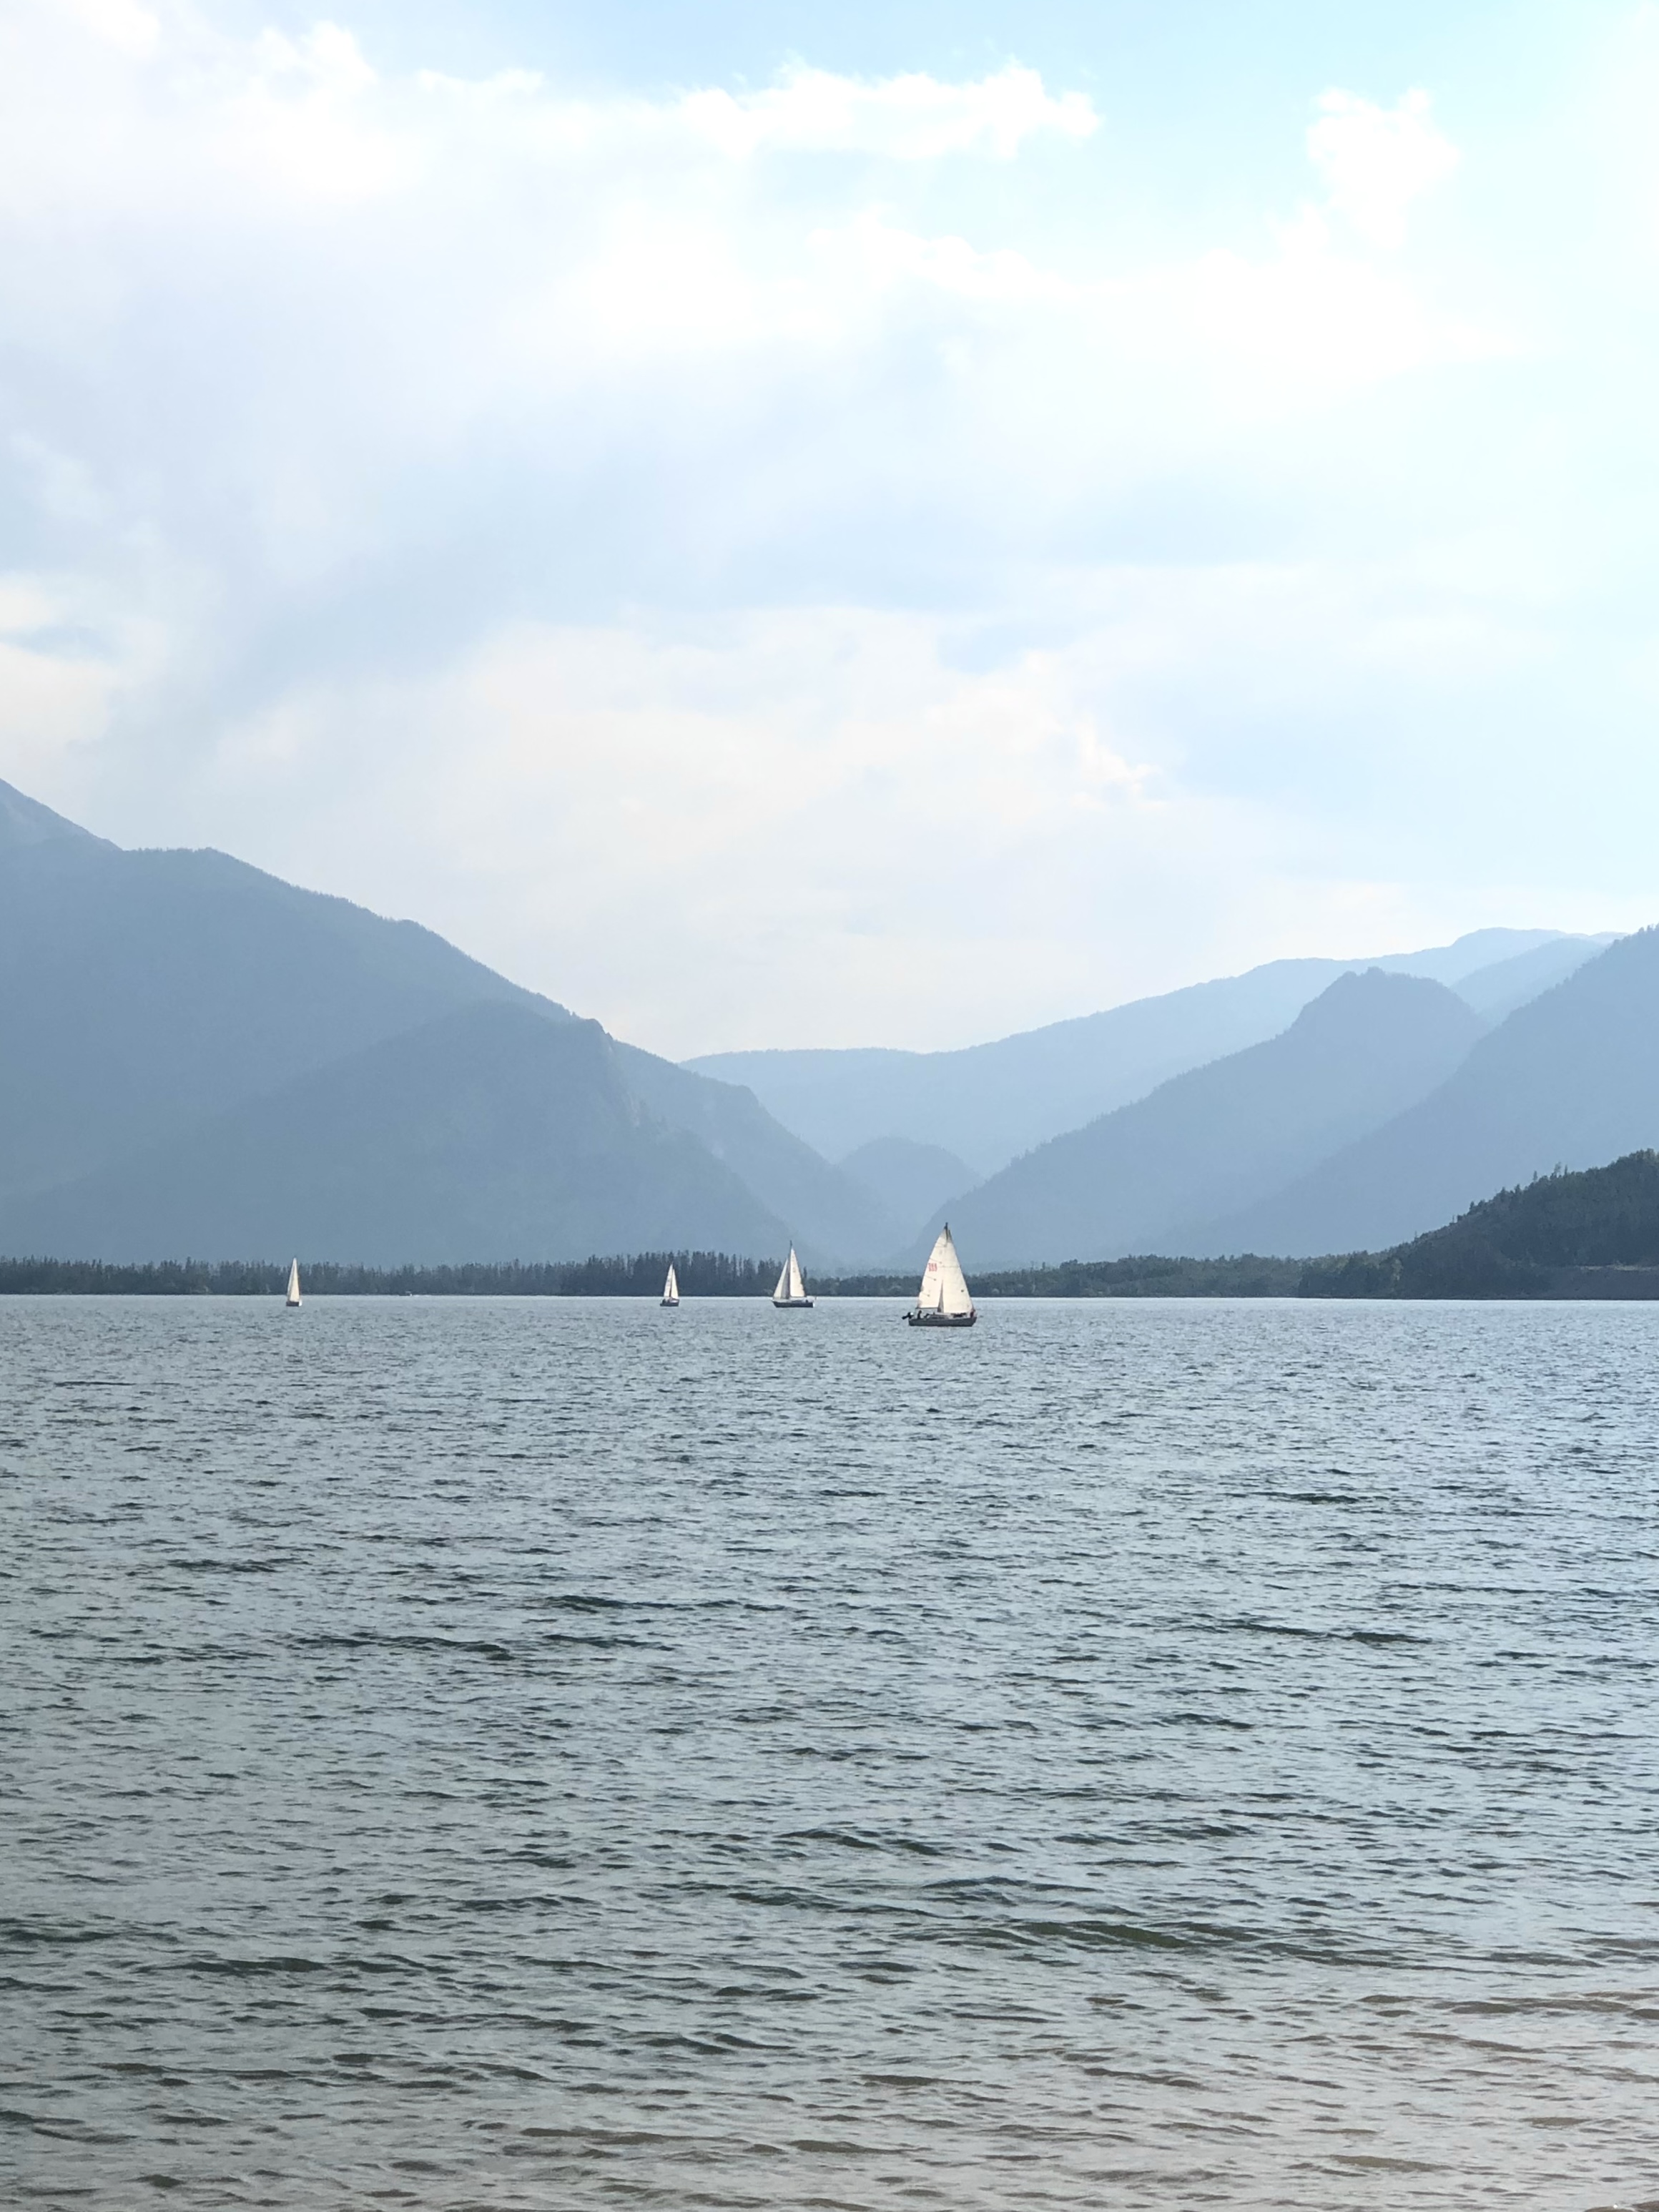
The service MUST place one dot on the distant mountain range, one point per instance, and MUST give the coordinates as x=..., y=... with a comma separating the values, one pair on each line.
x=1377, y=1116
x=989, y=1103
x=201, y=1059
x=204, y=1061
x=1149, y=1176
x=1570, y=1080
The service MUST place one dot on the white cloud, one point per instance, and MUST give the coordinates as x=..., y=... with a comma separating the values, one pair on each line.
x=915, y=118
x=864, y=836
x=1376, y=161
x=122, y=23
x=935, y=832
x=486, y=500
x=57, y=687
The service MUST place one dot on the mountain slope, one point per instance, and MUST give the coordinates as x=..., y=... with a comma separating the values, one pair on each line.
x=1137, y=1180
x=140, y=990
x=910, y=1180
x=24, y=821
x=143, y=993
x=498, y=1132
x=1593, y=1233
x=1495, y=991
x=1570, y=1079
x=991, y=1102
x=833, y=1219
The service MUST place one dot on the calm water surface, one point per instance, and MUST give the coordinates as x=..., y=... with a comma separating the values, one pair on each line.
x=565, y=1755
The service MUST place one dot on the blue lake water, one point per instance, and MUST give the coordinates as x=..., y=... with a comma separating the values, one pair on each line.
x=561, y=1754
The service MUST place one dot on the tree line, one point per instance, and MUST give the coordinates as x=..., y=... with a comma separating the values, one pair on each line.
x=632, y=1275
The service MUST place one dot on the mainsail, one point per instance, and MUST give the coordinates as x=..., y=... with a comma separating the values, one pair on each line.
x=943, y=1286
x=294, y=1283
x=670, y=1289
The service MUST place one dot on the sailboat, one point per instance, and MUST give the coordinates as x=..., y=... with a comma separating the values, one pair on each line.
x=670, y=1289
x=944, y=1300
x=792, y=1288
x=293, y=1283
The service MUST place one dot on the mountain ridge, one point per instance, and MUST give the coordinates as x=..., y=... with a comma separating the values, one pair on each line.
x=494, y=1131
x=1571, y=1079
x=1133, y=1180
x=147, y=995
x=990, y=1103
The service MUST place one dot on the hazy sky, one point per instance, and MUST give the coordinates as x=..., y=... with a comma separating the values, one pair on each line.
x=885, y=524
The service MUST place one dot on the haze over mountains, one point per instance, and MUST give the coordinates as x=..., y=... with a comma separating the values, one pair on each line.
x=198, y=1055
x=1570, y=1079
x=1149, y=1176
x=203, y=1060
x=989, y=1103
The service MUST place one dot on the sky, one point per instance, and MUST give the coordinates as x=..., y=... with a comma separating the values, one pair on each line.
x=876, y=526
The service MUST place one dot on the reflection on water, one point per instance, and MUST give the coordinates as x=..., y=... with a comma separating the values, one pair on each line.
x=568, y=1753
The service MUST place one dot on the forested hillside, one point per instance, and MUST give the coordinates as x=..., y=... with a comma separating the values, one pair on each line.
x=1592, y=1233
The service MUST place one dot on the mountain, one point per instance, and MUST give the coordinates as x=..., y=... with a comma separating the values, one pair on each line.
x=24, y=821
x=166, y=1013
x=145, y=996
x=1570, y=1080
x=499, y=1130
x=988, y=1103
x=832, y=1217
x=909, y=1181
x=1495, y=991
x=1594, y=1233
x=142, y=990
x=1217, y=1138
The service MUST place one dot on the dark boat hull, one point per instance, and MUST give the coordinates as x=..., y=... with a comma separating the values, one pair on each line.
x=919, y=1320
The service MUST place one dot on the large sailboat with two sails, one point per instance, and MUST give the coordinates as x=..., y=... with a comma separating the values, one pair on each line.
x=944, y=1300
x=791, y=1285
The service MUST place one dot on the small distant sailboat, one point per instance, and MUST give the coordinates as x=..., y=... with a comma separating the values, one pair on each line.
x=944, y=1300
x=792, y=1288
x=670, y=1289
x=292, y=1284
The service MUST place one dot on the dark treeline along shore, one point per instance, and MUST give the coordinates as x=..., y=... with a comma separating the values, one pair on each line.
x=1590, y=1234
x=1149, y=1275
x=635, y=1275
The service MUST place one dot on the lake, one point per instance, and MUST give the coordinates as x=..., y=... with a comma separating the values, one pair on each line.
x=561, y=1754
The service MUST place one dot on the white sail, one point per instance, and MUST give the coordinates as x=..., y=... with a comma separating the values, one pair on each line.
x=670, y=1289
x=294, y=1283
x=792, y=1286
x=943, y=1286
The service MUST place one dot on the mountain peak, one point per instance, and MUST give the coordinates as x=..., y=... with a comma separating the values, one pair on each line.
x=1357, y=1003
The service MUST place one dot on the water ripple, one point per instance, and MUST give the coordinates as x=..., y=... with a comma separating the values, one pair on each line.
x=466, y=1754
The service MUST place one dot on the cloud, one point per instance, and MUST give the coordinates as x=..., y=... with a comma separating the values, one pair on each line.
x=498, y=500
x=868, y=828
x=913, y=118
x=839, y=820
x=1377, y=161
x=123, y=23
